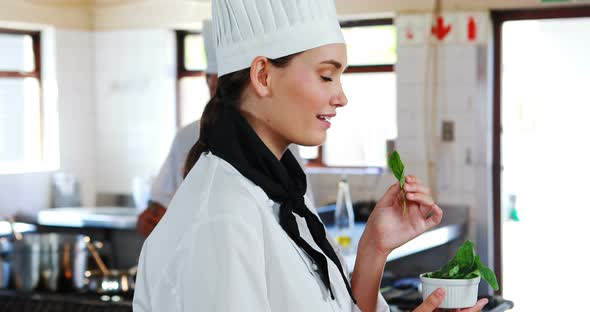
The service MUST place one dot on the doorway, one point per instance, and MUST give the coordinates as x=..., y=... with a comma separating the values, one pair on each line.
x=541, y=156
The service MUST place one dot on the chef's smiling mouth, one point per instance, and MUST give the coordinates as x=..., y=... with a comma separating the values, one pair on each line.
x=326, y=117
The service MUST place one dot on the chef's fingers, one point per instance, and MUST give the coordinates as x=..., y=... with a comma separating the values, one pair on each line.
x=432, y=301
x=416, y=188
x=434, y=217
x=420, y=198
x=412, y=179
x=389, y=197
x=477, y=307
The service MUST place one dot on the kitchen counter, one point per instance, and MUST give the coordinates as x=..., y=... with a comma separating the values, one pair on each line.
x=19, y=227
x=121, y=218
x=452, y=227
x=436, y=237
x=113, y=226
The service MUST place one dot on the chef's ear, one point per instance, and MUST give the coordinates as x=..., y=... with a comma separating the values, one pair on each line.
x=260, y=73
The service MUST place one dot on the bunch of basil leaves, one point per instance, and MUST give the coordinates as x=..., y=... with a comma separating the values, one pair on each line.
x=465, y=265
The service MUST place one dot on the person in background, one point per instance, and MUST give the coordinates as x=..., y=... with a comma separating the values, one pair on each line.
x=173, y=170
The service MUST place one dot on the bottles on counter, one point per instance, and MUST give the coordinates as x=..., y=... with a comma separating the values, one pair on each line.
x=344, y=216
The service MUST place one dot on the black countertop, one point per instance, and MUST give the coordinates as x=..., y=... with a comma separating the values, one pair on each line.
x=18, y=301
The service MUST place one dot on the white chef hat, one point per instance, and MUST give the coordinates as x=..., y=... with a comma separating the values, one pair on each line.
x=245, y=29
x=209, y=42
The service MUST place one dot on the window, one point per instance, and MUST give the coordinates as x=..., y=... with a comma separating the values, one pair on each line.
x=21, y=135
x=359, y=133
x=192, y=89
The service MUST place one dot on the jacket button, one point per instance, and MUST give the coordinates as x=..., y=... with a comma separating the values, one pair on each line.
x=314, y=266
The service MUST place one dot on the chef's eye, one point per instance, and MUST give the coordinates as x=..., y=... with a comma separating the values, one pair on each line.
x=324, y=78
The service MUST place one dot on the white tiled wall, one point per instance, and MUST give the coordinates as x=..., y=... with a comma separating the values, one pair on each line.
x=458, y=93
x=115, y=95
x=461, y=95
x=68, y=80
x=75, y=81
x=135, y=105
x=25, y=193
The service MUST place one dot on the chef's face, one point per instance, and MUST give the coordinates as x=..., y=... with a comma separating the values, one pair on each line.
x=305, y=95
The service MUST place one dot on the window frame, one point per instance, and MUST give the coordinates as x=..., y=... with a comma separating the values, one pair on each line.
x=35, y=73
x=182, y=71
x=375, y=68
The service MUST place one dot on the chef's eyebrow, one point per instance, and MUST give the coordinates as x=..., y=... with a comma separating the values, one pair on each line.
x=334, y=63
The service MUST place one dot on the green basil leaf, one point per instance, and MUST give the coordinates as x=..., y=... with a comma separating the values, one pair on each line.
x=473, y=274
x=465, y=256
x=490, y=277
x=454, y=271
x=397, y=166
x=465, y=265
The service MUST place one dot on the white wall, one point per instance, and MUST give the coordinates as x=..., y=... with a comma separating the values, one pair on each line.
x=450, y=81
x=114, y=95
x=68, y=76
x=75, y=51
x=135, y=105
x=23, y=192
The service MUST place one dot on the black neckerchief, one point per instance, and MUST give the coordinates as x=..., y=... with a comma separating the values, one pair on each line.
x=233, y=139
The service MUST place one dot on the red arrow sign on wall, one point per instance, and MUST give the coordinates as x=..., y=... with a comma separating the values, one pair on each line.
x=440, y=31
x=471, y=29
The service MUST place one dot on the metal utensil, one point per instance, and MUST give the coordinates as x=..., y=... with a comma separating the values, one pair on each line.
x=17, y=235
x=107, y=281
x=51, y=261
x=113, y=282
x=103, y=268
x=5, y=261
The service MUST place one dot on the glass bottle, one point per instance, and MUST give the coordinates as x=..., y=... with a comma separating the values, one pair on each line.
x=344, y=215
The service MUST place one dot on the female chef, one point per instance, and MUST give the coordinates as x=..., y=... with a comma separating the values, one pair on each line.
x=238, y=235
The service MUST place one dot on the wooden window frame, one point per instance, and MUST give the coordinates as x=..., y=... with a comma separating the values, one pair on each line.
x=182, y=71
x=35, y=73
x=378, y=68
x=498, y=19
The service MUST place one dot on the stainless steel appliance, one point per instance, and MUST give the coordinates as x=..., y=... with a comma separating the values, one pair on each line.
x=49, y=261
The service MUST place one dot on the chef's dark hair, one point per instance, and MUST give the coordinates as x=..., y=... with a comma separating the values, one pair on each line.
x=228, y=93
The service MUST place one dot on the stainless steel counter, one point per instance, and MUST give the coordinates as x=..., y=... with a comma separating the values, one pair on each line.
x=18, y=227
x=122, y=218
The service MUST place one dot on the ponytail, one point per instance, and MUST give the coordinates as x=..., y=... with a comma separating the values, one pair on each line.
x=210, y=113
x=227, y=95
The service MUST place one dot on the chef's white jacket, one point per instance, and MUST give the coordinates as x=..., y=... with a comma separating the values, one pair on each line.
x=171, y=173
x=220, y=247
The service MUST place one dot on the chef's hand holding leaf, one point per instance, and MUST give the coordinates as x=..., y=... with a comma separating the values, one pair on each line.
x=388, y=228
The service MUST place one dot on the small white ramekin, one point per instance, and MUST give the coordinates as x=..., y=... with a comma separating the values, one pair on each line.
x=459, y=293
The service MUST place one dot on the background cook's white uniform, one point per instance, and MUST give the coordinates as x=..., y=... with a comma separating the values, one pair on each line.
x=171, y=173
x=214, y=252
